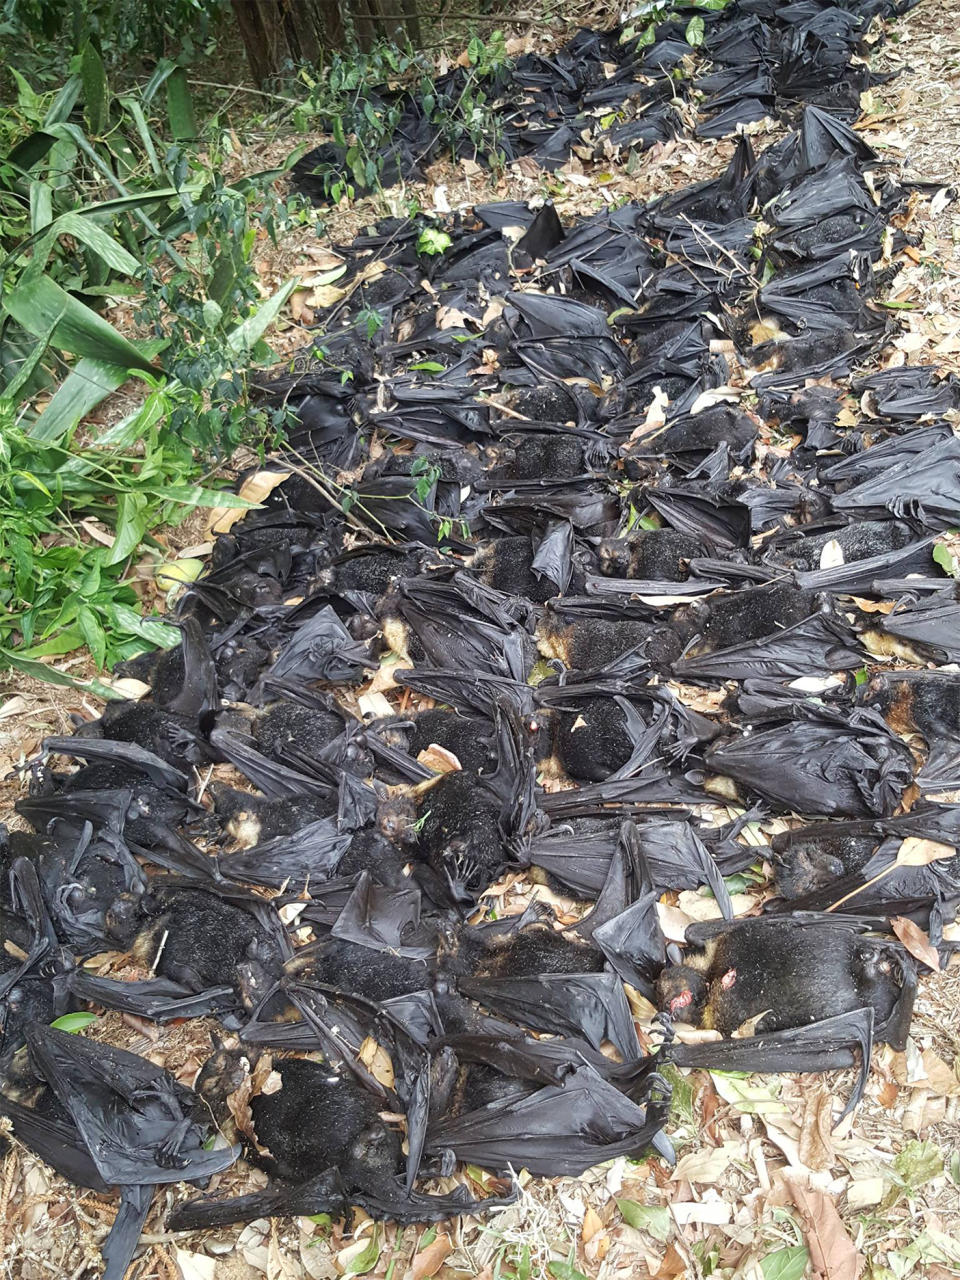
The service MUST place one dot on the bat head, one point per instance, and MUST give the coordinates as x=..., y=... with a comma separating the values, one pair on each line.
x=613, y=555
x=682, y=993
x=374, y=1155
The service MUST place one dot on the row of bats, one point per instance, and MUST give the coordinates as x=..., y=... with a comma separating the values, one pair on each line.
x=637, y=533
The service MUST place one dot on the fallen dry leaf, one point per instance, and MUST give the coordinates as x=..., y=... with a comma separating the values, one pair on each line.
x=429, y=1260
x=918, y=852
x=377, y=1061
x=816, y=1127
x=254, y=489
x=194, y=1266
x=592, y=1223
x=940, y=1078
x=673, y=1264
x=705, y=1166
x=439, y=759
x=832, y=1253
x=916, y=941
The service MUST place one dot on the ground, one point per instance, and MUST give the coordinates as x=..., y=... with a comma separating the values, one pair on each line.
x=764, y=1188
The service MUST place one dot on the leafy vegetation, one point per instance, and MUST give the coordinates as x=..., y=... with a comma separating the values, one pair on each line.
x=359, y=101
x=106, y=199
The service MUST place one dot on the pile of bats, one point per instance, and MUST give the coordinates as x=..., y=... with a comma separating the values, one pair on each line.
x=703, y=68
x=627, y=534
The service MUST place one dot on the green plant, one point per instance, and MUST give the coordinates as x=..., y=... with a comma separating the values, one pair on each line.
x=75, y=508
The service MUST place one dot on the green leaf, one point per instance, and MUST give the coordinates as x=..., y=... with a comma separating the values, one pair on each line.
x=151, y=629
x=918, y=1163
x=29, y=366
x=194, y=495
x=64, y=102
x=183, y=123
x=41, y=306
x=94, y=636
x=39, y=670
x=785, y=1264
x=89, y=382
x=95, y=238
x=564, y=1271
x=654, y=1219
x=433, y=241
x=947, y=561
x=95, y=91
x=861, y=676
x=27, y=98
x=135, y=111
x=73, y=1022
x=694, y=32
x=428, y=366
x=41, y=205
x=133, y=519
x=247, y=335
x=364, y=1259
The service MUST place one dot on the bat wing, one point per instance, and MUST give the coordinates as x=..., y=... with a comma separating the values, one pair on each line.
x=55, y=1141
x=157, y=999
x=560, y=1130
x=810, y=647
x=593, y=1005
x=322, y=1194
x=121, y=1241
x=820, y=1046
x=129, y=1113
x=198, y=693
x=312, y=855
x=129, y=753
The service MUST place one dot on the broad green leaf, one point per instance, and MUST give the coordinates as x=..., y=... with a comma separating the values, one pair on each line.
x=135, y=111
x=178, y=572
x=247, y=335
x=30, y=151
x=360, y=1261
x=73, y=1022
x=39, y=670
x=428, y=366
x=40, y=303
x=152, y=629
x=183, y=124
x=694, y=32
x=654, y=1219
x=433, y=241
x=785, y=1264
x=133, y=517
x=95, y=91
x=80, y=140
x=918, y=1163
x=26, y=96
x=64, y=102
x=89, y=382
x=95, y=238
x=564, y=1271
x=29, y=366
x=94, y=636
x=41, y=206
x=947, y=561
x=194, y=495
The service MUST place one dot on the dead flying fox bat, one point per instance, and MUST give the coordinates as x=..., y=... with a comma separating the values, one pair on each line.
x=777, y=973
x=132, y=1126
x=329, y=1148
